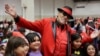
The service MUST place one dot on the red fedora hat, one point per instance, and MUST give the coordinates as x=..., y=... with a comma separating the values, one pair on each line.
x=67, y=10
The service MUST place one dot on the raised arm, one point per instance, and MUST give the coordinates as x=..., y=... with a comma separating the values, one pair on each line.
x=10, y=10
x=35, y=26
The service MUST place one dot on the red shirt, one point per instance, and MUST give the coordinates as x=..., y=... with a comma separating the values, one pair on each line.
x=61, y=42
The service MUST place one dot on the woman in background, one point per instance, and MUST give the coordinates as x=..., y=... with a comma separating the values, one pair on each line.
x=16, y=46
x=34, y=44
x=90, y=50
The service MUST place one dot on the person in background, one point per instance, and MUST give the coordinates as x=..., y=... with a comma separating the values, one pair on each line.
x=90, y=50
x=2, y=49
x=76, y=43
x=34, y=44
x=3, y=46
x=16, y=46
x=22, y=30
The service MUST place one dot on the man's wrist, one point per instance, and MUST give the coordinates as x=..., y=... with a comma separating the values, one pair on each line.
x=16, y=18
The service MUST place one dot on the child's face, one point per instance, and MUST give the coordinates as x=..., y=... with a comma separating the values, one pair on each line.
x=77, y=43
x=36, y=44
x=22, y=50
x=91, y=50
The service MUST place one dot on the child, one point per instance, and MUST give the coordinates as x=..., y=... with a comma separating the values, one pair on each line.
x=90, y=50
x=76, y=42
x=16, y=46
x=34, y=44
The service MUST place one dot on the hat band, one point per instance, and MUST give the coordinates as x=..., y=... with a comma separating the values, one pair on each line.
x=67, y=11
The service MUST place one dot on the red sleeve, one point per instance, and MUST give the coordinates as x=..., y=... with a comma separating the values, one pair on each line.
x=85, y=37
x=35, y=26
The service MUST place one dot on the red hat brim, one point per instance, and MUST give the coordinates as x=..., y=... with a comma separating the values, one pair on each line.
x=67, y=11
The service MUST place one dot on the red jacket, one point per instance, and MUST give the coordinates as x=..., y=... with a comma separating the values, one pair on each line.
x=44, y=27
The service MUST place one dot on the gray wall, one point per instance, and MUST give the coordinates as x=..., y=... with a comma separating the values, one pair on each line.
x=48, y=8
x=37, y=9
x=16, y=3
x=91, y=9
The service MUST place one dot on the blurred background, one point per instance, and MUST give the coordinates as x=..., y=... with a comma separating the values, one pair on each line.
x=36, y=9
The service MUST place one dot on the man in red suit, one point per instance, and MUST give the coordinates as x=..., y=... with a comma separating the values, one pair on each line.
x=54, y=31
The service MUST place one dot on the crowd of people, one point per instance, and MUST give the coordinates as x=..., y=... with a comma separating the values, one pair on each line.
x=16, y=43
x=61, y=36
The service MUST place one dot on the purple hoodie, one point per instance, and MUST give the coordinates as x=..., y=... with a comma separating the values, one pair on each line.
x=35, y=53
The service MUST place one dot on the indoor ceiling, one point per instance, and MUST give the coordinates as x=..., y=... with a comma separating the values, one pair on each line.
x=84, y=0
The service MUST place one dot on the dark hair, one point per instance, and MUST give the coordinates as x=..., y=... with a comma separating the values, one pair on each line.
x=9, y=34
x=86, y=46
x=30, y=37
x=85, y=21
x=75, y=36
x=78, y=28
x=91, y=24
x=22, y=29
x=13, y=43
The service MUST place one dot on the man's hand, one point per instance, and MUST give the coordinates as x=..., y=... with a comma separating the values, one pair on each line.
x=10, y=10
